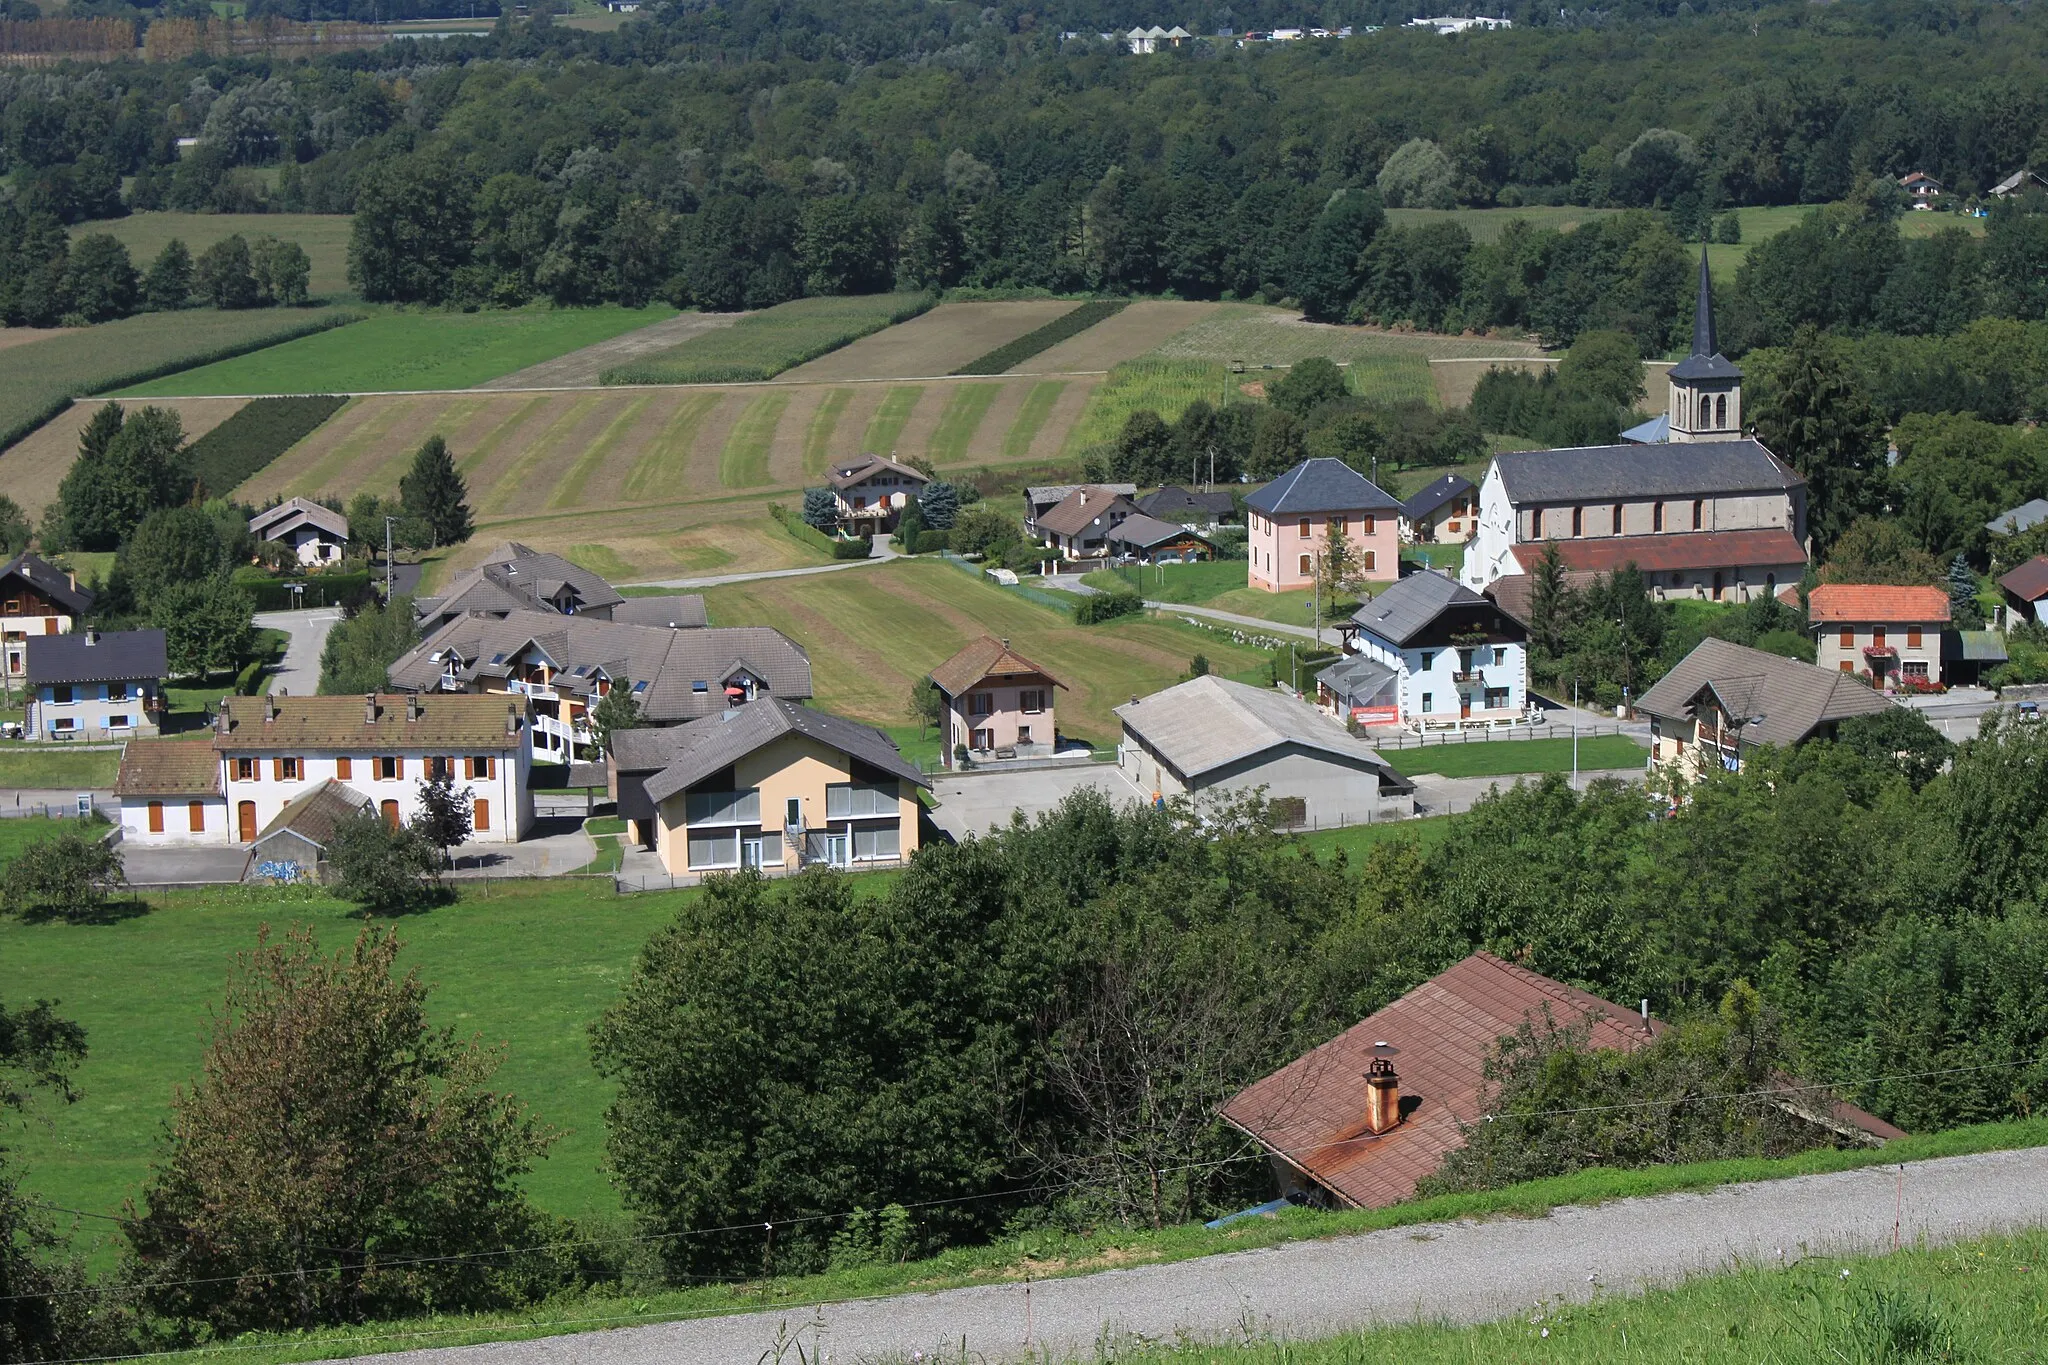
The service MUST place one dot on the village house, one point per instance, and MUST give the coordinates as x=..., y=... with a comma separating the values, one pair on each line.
x=769, y=785
x=516, y=578
x=1212, y=735
x=1455, y=657
x=563, y=666
x=95, y=685
x=36, y=598
x=1042, y=498
x=1444, y=513
x=316, y=535
x=1358, y=1121
x=1289, y=522
x=2019, y=182
x=2025, y=590
x=1892, y=634
x=997, y=704
x=1196, y=511
x=2014, y=520
x=1149, y=540
x=1724, y=700
x=871, y=491
x=1922, y=188
x=169, y=790
x=1079, y=527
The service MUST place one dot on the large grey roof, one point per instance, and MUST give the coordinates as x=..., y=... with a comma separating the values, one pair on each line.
x=644, y=749
x=1774, y=700
x=1208, y=723
x=1405, y=609
x=1145, y=532
x=702, y=748
x=516, y=578
x=1605, y=473
x=1321, y=485
x=1439, y=492
x=670, y=662
x=1174, y=503
x=274, y=522
x=96, y=656
x=682, y=611
x=47, y=579
x=2025, y=517
x=1052, y=494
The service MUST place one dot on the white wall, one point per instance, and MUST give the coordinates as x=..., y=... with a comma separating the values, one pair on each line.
x=511, y=803
x=177, y=821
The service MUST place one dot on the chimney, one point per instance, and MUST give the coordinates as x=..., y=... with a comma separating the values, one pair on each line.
x=269, y=708
x=1382, y=1091
x=220, y=719
x=369, y=708
x=1646, y=1017
x=69, y=577
x=92, y=637
x=511, y=721
x=412, y=706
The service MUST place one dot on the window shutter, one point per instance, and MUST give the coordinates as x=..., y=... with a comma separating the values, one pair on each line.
x=343, y=768
x=482, y=820
x=399, y=766
x=469, y=767
x=195, y=814
x=156, y=817
x=277, y=770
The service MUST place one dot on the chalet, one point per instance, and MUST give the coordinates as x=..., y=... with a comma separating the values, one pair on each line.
x=1444, y=513
x=1149, y=540
x=998, y=704
x=1922, y=188
x=564, y=666
x=770, y=785
x=1723, y=700
x=1358, y=1121
x=1455, y=656
x=1212, y=735
x=871, y=491
x=1042, y=498
x=316, y=535
x=2025, y=590
x=95, y=685
x=36, y=598
x=1291, y=519
x=1892, y=635
x=1079, y=528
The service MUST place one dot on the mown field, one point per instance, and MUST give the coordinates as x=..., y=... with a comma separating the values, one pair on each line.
x=399, y=351
x=871, y=633
x=762, y=345
x=323, y=235
x=933, y=343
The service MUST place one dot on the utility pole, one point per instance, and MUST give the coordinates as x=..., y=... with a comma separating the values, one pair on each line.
x=388, y=519
x=1575, y=730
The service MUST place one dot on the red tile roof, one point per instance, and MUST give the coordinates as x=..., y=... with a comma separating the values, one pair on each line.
x=1875, y=602
x=2029, y=581
x=986, y=658
x=1312, y=1110
x=1695, y=550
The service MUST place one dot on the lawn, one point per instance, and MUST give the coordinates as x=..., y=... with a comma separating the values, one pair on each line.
x=1356, y=841
x=57, y=769
x=873, y=632
x=323, y=235
x=1257, y=336
x=1504, y=757
x=403, y=351
x=36, y=379
x=1192, y=583
x=766, y=343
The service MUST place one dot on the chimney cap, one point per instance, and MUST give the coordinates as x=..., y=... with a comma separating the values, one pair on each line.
x=1383, y=1048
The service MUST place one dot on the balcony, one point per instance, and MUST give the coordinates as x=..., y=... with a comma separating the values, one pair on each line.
x=1886, y=652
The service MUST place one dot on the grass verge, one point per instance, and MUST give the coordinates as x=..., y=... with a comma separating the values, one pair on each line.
x=764, y=344
x=1505, y=757
x=60, y=769
x=1044, y=338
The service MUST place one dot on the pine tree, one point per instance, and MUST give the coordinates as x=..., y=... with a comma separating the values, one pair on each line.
x=1549, y=598
x=821, y=509
x=941, y=502
x=434, y=492
x=1962, y=595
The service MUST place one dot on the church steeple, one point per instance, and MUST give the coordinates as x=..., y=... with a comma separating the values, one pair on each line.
x=1706, y=386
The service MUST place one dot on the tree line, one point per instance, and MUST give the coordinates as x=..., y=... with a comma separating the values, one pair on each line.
x=48, y=280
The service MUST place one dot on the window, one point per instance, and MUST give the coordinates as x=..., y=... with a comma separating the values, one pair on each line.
x=1023, y=734
x=1500, y=656
x=1721, y=411
x=1370, y=523
x=1370, y=561
x=1428, y=658
x=1848, y=665
x=1304, y=528
x=1306, y=567
x=484, y=766
x=1847, y=638
x=724, y=808
x=285, y=769
x=1496, y=698
x=1617, y=518
x=980, y=704
x=195, y=816
x=120, y=722
x=156, y=817
x=480, y=815
x=440, y=767
x=387, y=768
x=859, y=800
x=1698, y=510
x=1913, y=637
x=877, y=842
x=1578, y=521
x=13, y=606
x=65, y=723
x=1915, y=668
x=1031, y=701
x=981, y=741
x=245, y=770
x=61, y=695
x=1877, y=637
x=344, y=768
x=714, y=848
x=1428, y=703
x=389, y=809
x=1657, y=517
x=1342, y=525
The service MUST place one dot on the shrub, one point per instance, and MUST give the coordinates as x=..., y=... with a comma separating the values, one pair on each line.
x=809, y=535
x=852, y=549
x=328, y=589
x=1068, y=324
x=248, y=441
x=1107, y=606
x=930, y=542
x=68, y=877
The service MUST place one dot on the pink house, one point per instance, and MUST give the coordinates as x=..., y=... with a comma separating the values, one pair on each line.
x=997, y=703
x=1290, y=519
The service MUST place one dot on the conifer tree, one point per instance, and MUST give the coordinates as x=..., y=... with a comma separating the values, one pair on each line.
x=434, y=492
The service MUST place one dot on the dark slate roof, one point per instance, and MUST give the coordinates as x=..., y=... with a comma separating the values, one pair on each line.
x=683, y=611
x=49, y=580
x=1621, y=472
x=1654, y=432
x=1406, y=609
x=1321, y=485
x=1145, y=532
x=1174, y=503
x=1774, y=700
x=517, y=578
x=1358, y=678
x=701, y=749
x=96, y=656
x=644, y=749
x=1705, y=361
x=1436, y=495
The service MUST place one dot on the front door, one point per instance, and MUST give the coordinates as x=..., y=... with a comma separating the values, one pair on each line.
x=245, y=822
x=750, y=852
x=837, y=851
x=793, y=813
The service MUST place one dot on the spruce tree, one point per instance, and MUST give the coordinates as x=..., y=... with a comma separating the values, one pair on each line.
x=1962, y=595
x=434, y=492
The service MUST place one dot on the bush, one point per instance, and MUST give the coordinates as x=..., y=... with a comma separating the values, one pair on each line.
x=1069, y=324
x=1107, y=606
x=328, y=589
x=253, y=437
x=68, y=877
x=930, y=542
x=853, y=549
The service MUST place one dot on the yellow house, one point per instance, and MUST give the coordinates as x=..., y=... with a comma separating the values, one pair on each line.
x=778, y=786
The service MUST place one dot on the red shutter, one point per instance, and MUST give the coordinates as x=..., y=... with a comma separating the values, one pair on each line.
x=343, y=769
x=482, y=820
x=156, y=817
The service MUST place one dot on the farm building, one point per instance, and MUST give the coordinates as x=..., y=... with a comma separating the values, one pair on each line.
x=1152, y=541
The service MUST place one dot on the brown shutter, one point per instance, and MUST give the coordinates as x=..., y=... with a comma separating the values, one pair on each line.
x=399, y=766
x=277, y=770
x=156, y=817
x=469, y=767
x=343, y=768
x=483, y=815
x=195, y=815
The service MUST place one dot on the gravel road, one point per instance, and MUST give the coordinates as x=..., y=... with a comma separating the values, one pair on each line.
x=1457, y=1272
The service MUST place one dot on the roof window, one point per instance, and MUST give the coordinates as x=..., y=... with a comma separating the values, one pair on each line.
x=698, y=686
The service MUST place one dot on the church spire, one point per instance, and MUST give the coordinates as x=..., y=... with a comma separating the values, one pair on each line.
x=1703, y=343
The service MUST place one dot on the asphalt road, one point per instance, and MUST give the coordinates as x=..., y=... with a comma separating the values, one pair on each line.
x=299, y=674
x=1454, y=1272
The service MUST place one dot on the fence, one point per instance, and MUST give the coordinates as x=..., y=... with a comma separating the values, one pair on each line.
x=1486, y=734
x=62, y=810
x=1063, y=603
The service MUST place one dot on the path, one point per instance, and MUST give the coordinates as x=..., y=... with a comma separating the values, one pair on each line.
x=1255, y=624
x=299, y=673
x=881, y=554
x=584, y=366
x=1456, y=1272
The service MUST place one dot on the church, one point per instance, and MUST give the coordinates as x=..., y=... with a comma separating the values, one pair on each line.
x=1703, y=510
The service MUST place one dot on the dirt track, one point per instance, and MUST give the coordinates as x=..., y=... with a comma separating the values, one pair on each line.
x=584, y=366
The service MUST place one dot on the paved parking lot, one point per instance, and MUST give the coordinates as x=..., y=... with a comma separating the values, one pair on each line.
x=971, y=802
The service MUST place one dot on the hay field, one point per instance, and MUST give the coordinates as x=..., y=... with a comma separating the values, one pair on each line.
x=934, y=343
x=1455, y=379
x=873, y=632
x=31, y=469
x=1146, y=324
x=1255, y=335
x=323, y=235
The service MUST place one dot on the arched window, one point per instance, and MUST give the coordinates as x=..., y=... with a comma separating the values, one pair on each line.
x=1721, y=411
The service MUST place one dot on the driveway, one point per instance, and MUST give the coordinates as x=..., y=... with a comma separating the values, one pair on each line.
x=182, y=866
x=299, y=674
x=1461, y=1272
x=969, y=803
x=556, y=845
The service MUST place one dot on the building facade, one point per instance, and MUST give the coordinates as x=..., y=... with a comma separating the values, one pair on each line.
x=1444, y=513
x=1456, y=657
x=995, y=704
x=170, y=794
x=317, y=535
x=36, y=598
x=1290, y=520
x=1890, y=635
x=95, y=685
x=1081, y=525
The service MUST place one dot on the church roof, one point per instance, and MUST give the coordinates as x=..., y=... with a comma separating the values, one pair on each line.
x=1706, y=360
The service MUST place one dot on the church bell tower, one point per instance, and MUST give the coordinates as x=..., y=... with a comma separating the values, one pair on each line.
x=1706, y=386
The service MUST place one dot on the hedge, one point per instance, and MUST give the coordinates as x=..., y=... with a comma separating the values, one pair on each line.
x=802, y=530
x=1107, y=606
x=853, y=549
x=928, y=542
x=254, y=436
x=322, y=589
x=1067, y=324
